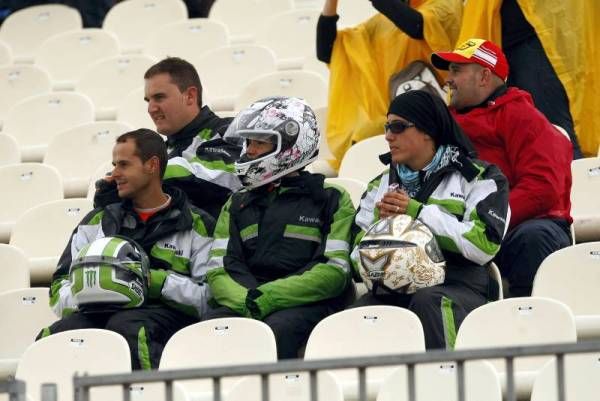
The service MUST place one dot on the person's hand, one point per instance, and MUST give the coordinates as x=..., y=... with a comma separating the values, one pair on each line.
x=105, y=182
x=330, y=8
x=393, y=203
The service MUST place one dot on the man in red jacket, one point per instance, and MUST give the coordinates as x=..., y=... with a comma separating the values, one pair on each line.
x=509, y=131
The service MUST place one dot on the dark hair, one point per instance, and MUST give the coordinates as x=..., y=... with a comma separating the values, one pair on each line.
x=147, y=145
x=183, y=74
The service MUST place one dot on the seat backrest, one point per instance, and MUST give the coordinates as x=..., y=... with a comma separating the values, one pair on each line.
x=354, y=187
x=6, y=56
x=25, y=185
x=26, y=29
x=66, y=55
x=353, y=13
x=44, y=230
x=584, y=194
x=18, y=82
x=9, y=150
x=365, y=331
x=237, y=66
x=226, y=341
x=94, y=143
x=54, y=113
x=108, y=81
x=307, y=85
x=56, y=358
x=494, y=273
x=132, y=20
x=133, y=110
x=187, y=39
x=291, y=34
x=287, y=387
x=572, y=275
x=15, y=269
x=517, y=322
x=437, y=381
x=23, y=314
x=362, y=162
x=244, y=19
x=581, y=384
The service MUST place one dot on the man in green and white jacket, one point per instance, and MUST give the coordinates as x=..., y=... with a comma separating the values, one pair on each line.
x=176, y=236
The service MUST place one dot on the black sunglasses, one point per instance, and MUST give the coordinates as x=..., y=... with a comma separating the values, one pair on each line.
x=397, y=127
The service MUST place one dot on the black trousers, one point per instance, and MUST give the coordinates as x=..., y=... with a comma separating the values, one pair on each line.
x=146, y=329
x=291, y=326
x=441, y=308
x=531, y=70
x=525, y=247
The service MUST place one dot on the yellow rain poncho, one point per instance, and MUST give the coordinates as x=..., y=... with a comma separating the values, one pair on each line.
x=366, y=56
x=569, y=31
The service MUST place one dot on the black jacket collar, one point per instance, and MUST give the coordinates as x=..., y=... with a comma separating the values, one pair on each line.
x=204, y=119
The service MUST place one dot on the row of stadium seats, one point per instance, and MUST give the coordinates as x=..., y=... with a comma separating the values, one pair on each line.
x=366, y=331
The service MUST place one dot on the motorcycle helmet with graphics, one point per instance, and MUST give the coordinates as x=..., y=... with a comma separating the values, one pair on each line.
x=400, y=254
x=289, y=124
x=110, y=273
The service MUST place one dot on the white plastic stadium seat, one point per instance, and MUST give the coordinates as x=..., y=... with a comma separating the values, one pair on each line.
x=518, y=322
x=585, y=208
x=26, y=29
x=24, y=313
x=292, y=34
x=437, y=381
x=365, y=331
x=15, y=268
x=43, y=232
x=354, y=187
x=307, y=85
x=572, y=275
x=186, y=39
x=54, y=113
x=353, y=13
x=6, y=57
x=581, y=379
x=226, y=341
x=108, y=81
x=66, y=55
x=9, y=150
x=133, y=110
x=23, y=186
x=94, y=143
x=494, y=273
x=287, y=387
x=244, y=19
x=361, y=161
x=18, y=82
x=132, y=20
x=237, y=65
x=56, y=359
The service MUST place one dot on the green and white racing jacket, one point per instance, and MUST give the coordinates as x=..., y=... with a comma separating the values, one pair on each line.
x=277, y=247
x=464, y=203
x=177, y=240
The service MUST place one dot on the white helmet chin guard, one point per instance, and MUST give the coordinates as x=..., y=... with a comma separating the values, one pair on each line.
x=287, y=122
x=110, y=273
x=399, y=254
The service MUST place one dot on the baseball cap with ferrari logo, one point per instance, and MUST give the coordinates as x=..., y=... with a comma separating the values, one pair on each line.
x=480, y=51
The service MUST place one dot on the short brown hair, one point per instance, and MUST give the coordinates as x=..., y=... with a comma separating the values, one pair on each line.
x=147, y=145
x=183, y=74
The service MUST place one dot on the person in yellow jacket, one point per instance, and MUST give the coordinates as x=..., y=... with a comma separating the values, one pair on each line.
x=551, y=49
x=363, y=58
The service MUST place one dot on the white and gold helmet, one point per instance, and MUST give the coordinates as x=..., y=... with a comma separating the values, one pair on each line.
x=400, y=254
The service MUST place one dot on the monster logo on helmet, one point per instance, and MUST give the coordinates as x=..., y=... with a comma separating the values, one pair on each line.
x=110, y=273
x=287, y=122
x=400, y=254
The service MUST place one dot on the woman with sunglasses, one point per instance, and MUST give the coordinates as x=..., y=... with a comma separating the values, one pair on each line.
x=433, y=176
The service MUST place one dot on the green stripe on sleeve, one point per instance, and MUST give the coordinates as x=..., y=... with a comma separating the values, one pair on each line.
x=175, y=171
x=478, y=237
